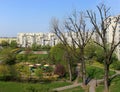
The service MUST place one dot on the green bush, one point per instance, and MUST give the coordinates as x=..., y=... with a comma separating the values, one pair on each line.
x=24, y=71
x=8, y=72
x=47, y=69
x=116, y=65
x=95, y=72
x=39, y=73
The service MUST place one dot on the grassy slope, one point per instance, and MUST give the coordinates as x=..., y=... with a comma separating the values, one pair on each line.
x=24, y=87
x=114, y=87
x=96, y=72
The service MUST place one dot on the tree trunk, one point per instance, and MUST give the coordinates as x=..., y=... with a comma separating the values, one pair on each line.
x=78, y=73
x=83, y=73
x=70, y=71
x=83, y=67
x=106, y=77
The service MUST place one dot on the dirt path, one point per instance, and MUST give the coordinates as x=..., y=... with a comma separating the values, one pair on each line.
x=92, y=85
x=66, y=87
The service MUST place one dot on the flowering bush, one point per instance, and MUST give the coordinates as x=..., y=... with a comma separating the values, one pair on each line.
x=60, y=70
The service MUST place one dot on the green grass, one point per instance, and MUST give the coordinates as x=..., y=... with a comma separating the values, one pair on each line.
x=25, y=87
x=114, y=87
x=96, y=72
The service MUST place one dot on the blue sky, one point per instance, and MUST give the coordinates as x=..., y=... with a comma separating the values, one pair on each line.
x=35, y=15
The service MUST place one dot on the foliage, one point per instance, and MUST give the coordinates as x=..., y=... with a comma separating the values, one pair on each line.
x=95, y=52
x=8, y=57
x=99, y=54
x=56, y=54
x=47, y=69
x=46, y=47
x=39, y=73
x=8, y=72
x=34, y=58
x=90, y=50
x=36, y=47
x=60, y=70
x=20, y=58
x=13, y=44
x=97, y=73
x=23, y=70
x=116, y=65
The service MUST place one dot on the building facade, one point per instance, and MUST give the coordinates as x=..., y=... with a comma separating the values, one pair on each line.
x=27, y=39
x=110, y=30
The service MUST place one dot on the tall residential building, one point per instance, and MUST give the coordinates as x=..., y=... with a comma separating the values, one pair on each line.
x=117, y=33
x=27, y=39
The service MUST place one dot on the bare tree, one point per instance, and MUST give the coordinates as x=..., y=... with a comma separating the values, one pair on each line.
x=102, y=28
x=77, y=38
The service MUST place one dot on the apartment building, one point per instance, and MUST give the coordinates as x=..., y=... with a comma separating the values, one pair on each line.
x=109, y=35
x=27, y=39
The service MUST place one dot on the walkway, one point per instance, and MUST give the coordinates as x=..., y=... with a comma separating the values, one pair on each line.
x=92, y=85
x=66, y=87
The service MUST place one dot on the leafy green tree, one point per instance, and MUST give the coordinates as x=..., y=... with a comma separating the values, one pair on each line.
x=95, y=52
x=99, y=54
x=36, y=47
x=46, y=47
x=90, y=50
x=13, y=44
x=56, y=54
x=7, y=56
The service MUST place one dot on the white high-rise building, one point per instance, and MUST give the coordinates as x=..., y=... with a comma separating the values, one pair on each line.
x=117, y=34
x=27, y=39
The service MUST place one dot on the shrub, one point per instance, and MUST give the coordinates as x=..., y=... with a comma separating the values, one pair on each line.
x=48, y=69
x=116, y=65
x=60, y=70
x=8, y=72
x=39, y=73
x=24, y=71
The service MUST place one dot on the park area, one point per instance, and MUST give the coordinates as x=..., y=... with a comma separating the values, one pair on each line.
x=46, y=69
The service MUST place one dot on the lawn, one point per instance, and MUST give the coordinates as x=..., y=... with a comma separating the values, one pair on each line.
x=114, y=87
x=29, y=87
x=96, y=72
